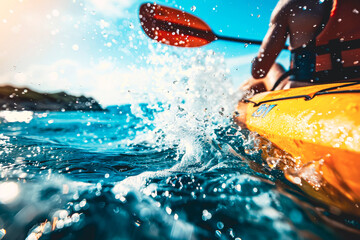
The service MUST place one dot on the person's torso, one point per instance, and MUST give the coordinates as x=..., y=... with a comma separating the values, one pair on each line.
x=331, y=52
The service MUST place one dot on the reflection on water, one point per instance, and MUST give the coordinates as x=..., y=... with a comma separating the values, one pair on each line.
x=13, y=116
x=8, y=192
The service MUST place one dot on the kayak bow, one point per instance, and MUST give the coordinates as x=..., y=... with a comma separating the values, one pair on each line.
x=319, y=126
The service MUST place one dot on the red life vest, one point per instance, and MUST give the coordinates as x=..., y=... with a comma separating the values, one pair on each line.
x=335, y=53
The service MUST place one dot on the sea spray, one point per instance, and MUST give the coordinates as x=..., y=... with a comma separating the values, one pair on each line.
x=197, y=95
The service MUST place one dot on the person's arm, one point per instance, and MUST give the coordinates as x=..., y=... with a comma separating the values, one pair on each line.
x=273, y=42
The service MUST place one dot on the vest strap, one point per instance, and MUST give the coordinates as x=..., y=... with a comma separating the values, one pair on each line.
x=337, y=44
x=303, y=62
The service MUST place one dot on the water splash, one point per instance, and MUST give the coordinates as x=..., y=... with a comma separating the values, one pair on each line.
x=197, y=95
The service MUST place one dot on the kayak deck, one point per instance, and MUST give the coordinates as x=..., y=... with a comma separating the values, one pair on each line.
x=317, y=125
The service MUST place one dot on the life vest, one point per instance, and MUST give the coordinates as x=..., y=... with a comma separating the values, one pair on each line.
x=334, y=55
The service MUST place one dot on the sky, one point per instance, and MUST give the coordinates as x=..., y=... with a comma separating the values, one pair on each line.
x=97, y=47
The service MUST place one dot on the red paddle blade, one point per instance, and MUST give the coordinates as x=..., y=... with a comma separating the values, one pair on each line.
x=174, y=27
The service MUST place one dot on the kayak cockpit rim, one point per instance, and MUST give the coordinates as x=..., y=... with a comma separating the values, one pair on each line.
x=308, y=97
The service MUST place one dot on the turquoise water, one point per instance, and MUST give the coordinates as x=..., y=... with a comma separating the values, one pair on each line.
x=118, y=175
x=170, y=164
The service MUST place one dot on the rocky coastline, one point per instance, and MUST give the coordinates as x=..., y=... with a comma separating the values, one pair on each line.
x=25, y=99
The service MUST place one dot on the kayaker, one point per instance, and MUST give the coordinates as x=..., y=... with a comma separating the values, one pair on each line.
x=324, y=39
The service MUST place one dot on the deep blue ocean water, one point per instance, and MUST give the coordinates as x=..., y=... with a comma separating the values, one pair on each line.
x=118, y=175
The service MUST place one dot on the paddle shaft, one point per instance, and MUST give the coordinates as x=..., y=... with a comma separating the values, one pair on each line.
x=243, y=40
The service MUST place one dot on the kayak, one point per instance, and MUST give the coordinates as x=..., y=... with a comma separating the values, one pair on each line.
x=319, y=128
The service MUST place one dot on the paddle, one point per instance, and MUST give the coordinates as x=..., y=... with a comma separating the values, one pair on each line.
x=178, y=28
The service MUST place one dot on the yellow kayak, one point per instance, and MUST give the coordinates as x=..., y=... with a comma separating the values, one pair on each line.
x=319, y=128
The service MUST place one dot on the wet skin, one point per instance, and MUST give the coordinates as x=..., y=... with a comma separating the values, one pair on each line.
x=301, y=21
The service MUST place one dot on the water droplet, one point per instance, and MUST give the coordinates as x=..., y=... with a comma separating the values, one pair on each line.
x=122, y=199
x=193, y=8
x=206, y=215
x=168, y=210
x=297, y=180
x=75, y=217
x=137, y=223
x=355, y=11
x=231, y=232
x=220, y=225
x=273, y=161
x=82, y=203
x=2, y=233
x=75, y=47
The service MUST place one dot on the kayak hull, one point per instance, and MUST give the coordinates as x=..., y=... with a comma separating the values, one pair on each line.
x=319, y=126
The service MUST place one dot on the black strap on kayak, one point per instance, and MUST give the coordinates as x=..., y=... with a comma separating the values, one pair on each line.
x=308, y=97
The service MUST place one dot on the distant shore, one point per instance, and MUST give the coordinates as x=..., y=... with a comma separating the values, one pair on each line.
x=25, y=99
